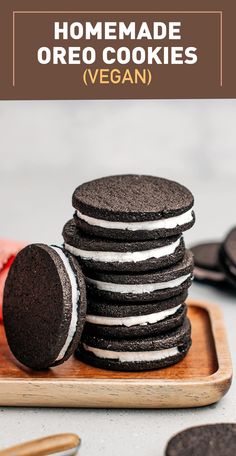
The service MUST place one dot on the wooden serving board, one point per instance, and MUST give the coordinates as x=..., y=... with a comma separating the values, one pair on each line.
x=202, y=378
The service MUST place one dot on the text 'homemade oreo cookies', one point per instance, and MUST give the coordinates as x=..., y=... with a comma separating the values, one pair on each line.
x=136, y=354
x=210, y=440
x=133, y=207
x=110, y=255
x=44, y=306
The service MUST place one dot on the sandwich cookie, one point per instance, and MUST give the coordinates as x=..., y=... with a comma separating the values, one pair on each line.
x=136, y=354
x=111, y=320
x=228, y=256
x=133, y=207
x=152, y=286
x=210, y=440
x=207, y=267
x=111, y=255
x=44, y=306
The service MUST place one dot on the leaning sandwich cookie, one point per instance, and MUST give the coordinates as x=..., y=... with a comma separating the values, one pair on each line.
x=133, y=207
x=136, y=354
x=110, y=255
x=44, y=306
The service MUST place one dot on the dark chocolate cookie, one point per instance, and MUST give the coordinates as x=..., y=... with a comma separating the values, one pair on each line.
x=209, y=440
x=44, y=306
x=152, y=286
x=136, y=354
x=111, y=255
x=133, y=207
x=111, y=320
x=228, y=256
x=207, y=267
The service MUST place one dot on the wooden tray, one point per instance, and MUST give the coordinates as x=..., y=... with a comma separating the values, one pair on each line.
x=202, y=378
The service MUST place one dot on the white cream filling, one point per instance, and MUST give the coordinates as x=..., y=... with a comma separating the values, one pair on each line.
x=141, y=320
x=124, y=257
x=201, y=273
x=137, y=288
x=154, y=355
x=164, y=223
x=75, y=299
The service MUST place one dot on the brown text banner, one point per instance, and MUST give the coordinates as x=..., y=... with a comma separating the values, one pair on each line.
x=151, y=50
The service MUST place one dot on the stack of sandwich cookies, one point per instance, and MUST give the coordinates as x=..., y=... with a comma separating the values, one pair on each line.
x=127, y=235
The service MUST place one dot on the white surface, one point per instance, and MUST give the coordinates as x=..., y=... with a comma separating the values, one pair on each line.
x=49, y=148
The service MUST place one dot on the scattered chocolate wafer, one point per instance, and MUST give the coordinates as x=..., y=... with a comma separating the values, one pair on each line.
x=207, y=266
x=215, y=262
x=228, y=256
x=209, y=440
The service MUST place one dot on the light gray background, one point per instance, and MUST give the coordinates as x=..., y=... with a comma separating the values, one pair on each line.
x=47, y=149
